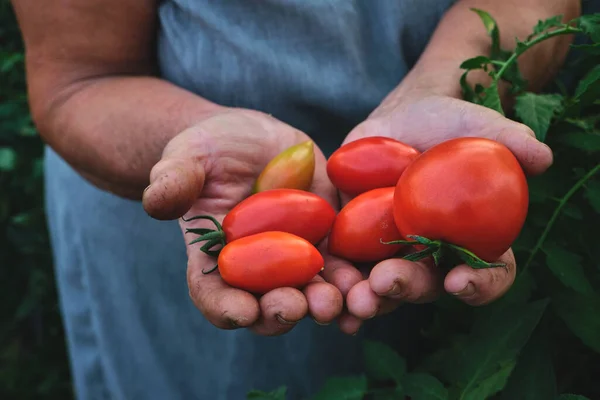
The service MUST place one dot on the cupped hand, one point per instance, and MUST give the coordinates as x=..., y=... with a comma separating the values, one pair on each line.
x=208, y=169
x=423, y=121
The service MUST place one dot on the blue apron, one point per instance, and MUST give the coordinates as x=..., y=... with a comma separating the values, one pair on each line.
x=133, y=333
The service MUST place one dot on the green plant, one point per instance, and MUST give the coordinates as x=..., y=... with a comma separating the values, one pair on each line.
x=541, y=341
x=33, y=360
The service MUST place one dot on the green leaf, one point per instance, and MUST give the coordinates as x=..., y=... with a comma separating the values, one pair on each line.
x=533, y=378
x=480, y=364
x=8, y=159
x=491, y=98
x=382, y=362
x=9, y=61
x=588, y=142
x=277, y=394
x=572, y=397
x=467, y=91
x=489, y=385
x=588, y=89
x=592, y=49
x=590, y=24
x=580, y=314
x=478, y=62
x=492, y=29
x=343, y=388
x=537, y=111
x=421, y=386
x=592, y=193
x=552, y=22
x=388, y=393
x=566, y=266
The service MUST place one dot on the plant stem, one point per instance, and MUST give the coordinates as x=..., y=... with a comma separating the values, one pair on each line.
x=527, y=45
x=557, y=210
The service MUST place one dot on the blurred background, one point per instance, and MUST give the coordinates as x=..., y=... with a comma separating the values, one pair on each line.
x=33, y=358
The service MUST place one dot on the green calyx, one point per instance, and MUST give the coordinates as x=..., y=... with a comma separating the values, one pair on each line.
x=212, y=237
x=441, y=251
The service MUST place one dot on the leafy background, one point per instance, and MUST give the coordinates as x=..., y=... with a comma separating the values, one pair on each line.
x=33, y=360
x=541, y=341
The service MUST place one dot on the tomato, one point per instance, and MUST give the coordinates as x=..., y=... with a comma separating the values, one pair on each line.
x=361, y=224
x=304, y=214
x=470, y=192
x=369, y=163
x=293, y=168
x=269, y=260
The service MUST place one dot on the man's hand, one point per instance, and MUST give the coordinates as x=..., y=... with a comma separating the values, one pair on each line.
x=423, y=121
x=208, y=169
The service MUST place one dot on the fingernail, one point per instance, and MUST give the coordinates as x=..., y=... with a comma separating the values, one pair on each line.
x=395, y=290
x=321, y=323
x=355, y=333
x=147, y=187
x=468, y=290
x=284, y=321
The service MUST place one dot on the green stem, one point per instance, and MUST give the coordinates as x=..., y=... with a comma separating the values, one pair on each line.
x=557, y=210
x=527, y=45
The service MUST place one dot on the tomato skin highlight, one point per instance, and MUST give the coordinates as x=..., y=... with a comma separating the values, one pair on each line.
x=369, y=163
x=471, y=192
x=301, y=213
x=265, y=261
x=358, y=228
x=293, y=168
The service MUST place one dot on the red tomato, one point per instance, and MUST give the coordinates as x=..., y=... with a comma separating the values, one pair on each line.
x=470, y=192
x=358, y=228
x=269, y=260
x=369, y=163
x=295, y=211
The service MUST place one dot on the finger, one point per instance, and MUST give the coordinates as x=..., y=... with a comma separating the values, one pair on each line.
x=176, y=182
x=349, y=324
x=224, y=306
x=481, y=286
x=281, y=309
x=412, y=282
x=325, y=301
x=535, y=157
x=340, y=273
x=364, y=303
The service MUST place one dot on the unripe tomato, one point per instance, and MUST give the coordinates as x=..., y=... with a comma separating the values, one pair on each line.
x=471, y=192
x=369, y=163
x=301, y=213
x=269, y=260
x=293, y=168
x=361, y=224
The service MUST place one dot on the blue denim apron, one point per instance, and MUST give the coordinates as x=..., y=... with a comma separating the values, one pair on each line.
x=133, y=333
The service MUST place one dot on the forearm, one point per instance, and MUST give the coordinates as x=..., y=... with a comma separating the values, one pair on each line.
x=112, y=130
x=461, y=35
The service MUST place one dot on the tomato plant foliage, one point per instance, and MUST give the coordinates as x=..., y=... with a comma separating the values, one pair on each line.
x=542, y=339
x=33, y=358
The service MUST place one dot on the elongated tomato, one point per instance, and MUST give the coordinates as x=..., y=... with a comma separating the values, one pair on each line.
x=361, y=224
x=293, y=168
x=301, y=213
x=269, y=260
x=369, y=163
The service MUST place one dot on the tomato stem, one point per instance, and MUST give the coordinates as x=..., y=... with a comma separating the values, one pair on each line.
x=212, y=237
x=437, y=249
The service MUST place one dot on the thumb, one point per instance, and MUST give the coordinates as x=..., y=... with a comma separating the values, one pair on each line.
x=176, y=182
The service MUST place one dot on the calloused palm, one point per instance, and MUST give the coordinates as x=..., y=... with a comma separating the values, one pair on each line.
x=207, y=170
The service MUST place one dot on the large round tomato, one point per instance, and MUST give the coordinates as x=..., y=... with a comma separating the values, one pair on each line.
x=470, y=192
x=369, y=163
x=295, y=211
x=269, y=260
x=362, y=224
